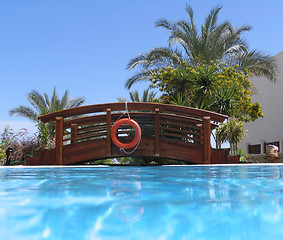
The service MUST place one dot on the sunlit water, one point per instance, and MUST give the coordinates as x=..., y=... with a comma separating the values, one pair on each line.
x=176, y=202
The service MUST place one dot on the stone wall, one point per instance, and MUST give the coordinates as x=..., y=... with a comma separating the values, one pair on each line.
x=260, y=158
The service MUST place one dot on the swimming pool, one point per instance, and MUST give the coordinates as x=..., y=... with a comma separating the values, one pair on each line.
x=165, y=202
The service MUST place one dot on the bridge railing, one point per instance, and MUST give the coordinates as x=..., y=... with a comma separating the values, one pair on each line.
x=132, y=106
x=158, y=121
x=95, y=127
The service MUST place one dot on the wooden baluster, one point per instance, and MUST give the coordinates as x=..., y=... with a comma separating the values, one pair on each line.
x=200, y=133
x=59, y=140
x=206, y=140
x=74, y=133
x=157, y=133
x=108, y=141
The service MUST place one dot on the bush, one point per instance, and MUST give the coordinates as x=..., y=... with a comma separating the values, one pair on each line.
x=2, y=153
x=22, y=144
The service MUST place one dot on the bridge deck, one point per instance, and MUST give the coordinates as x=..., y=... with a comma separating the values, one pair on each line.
x=84, y=133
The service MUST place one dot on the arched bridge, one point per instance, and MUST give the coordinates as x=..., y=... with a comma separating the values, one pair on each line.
x=84, y=133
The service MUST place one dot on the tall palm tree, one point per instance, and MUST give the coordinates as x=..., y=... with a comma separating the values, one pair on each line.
x=147, y=96
x=213, y=41
x=42, y=104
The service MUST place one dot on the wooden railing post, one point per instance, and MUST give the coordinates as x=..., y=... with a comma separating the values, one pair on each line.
x=59, y=140
x=157, y=133
x=74, y=133
x=200, y=133
x=108, y=141
x=206, y=140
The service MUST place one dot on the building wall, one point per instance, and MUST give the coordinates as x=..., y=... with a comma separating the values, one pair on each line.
x=270, y=95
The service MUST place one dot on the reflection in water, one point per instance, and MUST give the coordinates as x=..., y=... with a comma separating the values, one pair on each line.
x=195, y=202
x=127, y=192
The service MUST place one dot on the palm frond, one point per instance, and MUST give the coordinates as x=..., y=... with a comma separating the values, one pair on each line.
x=190, y=11
x=121, y=99
x=23, y=111
x=151, y=62
x=138, y=77
x=55, y=102
x=75, y=102
x=64, y=102
x=47, y=101
x=165, y=57
x=138, y=61
x=135, y=96
x=258, y=63
x=37, y=101
x=211, y=19
x=146, y=97
x=164, y=23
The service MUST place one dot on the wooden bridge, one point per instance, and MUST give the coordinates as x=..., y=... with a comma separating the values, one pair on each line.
x=84, y=134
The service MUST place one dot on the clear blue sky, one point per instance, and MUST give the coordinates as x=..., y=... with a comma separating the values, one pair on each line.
x=85, y=45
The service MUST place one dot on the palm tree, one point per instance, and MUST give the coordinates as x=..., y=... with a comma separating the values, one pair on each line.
x=42, y=104
x=148, y=96
x=214, y=41
x=232, y=131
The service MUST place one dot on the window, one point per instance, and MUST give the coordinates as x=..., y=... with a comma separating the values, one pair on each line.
x=271, y=143
x=254, y=149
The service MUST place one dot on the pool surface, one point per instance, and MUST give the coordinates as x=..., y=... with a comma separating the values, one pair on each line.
x=166, y=202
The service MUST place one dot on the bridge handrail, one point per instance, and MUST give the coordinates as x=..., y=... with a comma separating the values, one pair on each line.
x=133, y=106
x=172, y=126
x=100, y=118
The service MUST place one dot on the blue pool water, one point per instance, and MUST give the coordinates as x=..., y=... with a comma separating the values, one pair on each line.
x=168, y=202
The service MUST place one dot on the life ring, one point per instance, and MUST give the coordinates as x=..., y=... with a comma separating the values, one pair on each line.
x=136, y=127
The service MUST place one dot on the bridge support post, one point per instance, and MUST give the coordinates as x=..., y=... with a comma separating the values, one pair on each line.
x=108, y=140
x=74, y=133
x=59, y=140
x=206, y=140
x=157, y=133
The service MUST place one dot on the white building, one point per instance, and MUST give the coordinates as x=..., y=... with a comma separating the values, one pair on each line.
x=268, y=129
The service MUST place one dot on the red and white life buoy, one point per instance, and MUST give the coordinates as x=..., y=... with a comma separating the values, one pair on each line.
x=121, y=122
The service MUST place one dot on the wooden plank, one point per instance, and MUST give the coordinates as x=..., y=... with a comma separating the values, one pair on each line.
x=182, y=151
x=219, y=156
x=91, y=136
x=108, y=141
x=181, y=130
x=134, y=106
x=85, y=151
x=59, y=140
x=179, y=137
x=139, y=116
x=95, y=119
x=182, y=120
x=93, y=150
x=156, y=133
x=145, y=148
x=206, y=140
x=100, y=119
x=93, y=128
x=74, y=133
x=179, y=118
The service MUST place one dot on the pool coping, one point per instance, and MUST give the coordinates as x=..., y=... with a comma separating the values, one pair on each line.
x=109, y=166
